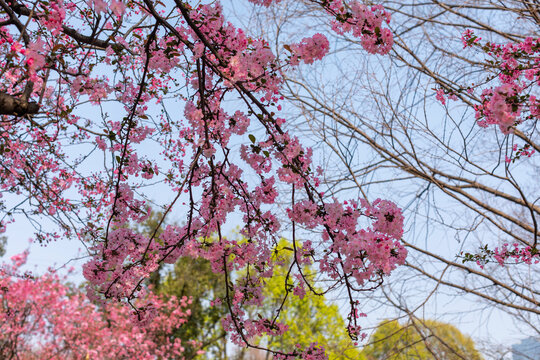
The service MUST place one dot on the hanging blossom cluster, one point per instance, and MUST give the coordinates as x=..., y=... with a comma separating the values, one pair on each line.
x=364, y=22
x=42, y=318
x=193, y=64
x=309, y=49
x=513, y=100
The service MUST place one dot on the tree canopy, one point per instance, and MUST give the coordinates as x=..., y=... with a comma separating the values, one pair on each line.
x=289, y=119
x=421, y=340
x=309, y=317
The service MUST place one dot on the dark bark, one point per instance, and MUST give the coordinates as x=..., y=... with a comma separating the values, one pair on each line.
x=12, y=105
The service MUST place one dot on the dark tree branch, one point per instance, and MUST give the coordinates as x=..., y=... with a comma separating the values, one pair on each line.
x=12, y=105
x=20, y=9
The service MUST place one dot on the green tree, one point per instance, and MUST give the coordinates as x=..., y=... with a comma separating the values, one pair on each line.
x=192, y=278
x=419, y=341
x=310, y=319
x=320, y=323
x=3, y=242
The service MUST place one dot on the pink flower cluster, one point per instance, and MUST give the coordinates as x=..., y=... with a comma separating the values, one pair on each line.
x=264, y=2
x=364, y=254
x=54, y=16
x=511, y=101
x=42, y=318
x=468, y=38
x=516, y=253
x=310, y=49
x=496, y=110
x=116, y=6
x=364, y=22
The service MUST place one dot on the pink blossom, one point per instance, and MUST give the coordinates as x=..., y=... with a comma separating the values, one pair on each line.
x=310, y=49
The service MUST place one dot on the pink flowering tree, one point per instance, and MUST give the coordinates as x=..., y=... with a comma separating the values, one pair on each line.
x=103, y=102
x=43, y=318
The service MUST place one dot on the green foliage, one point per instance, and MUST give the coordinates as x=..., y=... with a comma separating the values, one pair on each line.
x=148, y=228
x=3, y=241
x=309, y=319
x=419, y=341
x=192, y=278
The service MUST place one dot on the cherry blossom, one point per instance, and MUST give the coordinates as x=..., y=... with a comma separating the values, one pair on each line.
x=41, y=317
x=87, y=88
